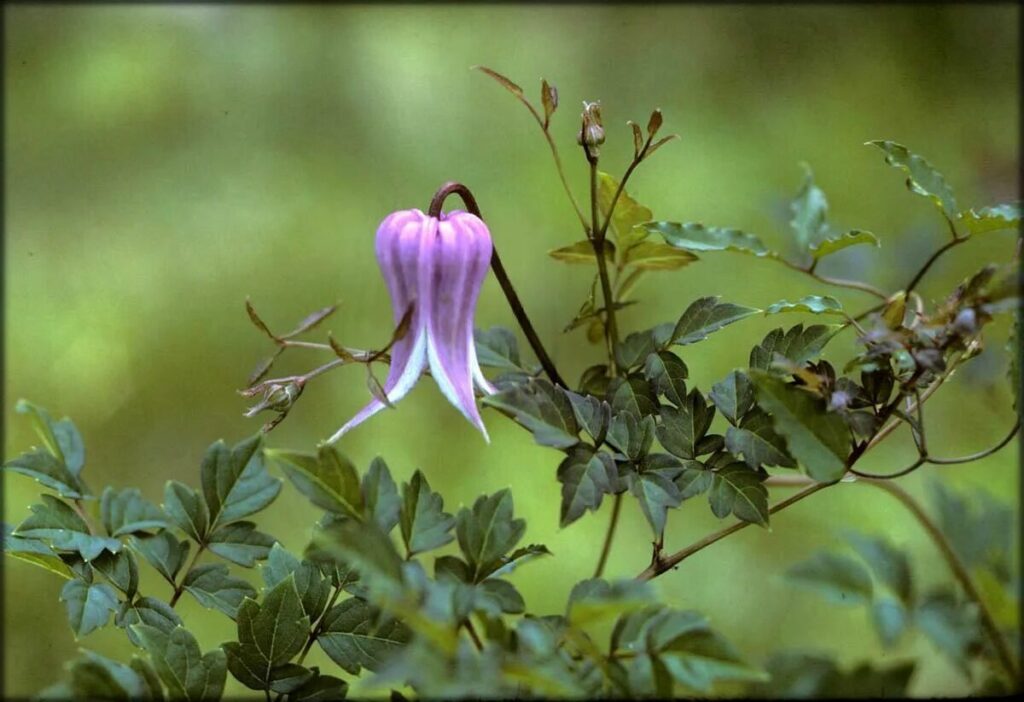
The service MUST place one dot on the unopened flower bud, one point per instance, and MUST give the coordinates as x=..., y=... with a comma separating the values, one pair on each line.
x=592, y=131
x=279, y=397
x=966, y=322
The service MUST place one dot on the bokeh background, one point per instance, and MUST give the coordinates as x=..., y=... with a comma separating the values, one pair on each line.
x=164, y=162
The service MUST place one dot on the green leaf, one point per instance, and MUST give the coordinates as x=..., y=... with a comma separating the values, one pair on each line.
x=889, y=564
x=632, y=438
x=121, y=569
x=655, y=256
x=990, y=219
x=667, y=374
x=593, y=415
x=88, y=605
x=682, y=429
x=596, y=600
x=582, y=252
x=807, y=676
x=733, y=396
x=126, y=512
x=633, y=395
x=815, y=304
x=950, y=624
x=809, y=209
x=163, y=551
x=289, y=677
x=355, y=636
x=55, y=522
x=736, y=489
x=756, y=441
x=543, y=409
x=424, y=523
x=215, y=588
x=96, y=677
x=35, y=552
x=819, y=440
x=153, y=690
x=832, y=244
x=328, y=479
x=236, y=482
x=487, y=532
x=798, y=345
x=632, y=350
x=277, y=627
x=61, y=438
x=313, y=587
x=694, y=236
x=365, y=548
x=497, y=348
x=695, y=479
x=697, y=656
x=704, y=316
x=656, y=493
x=187, y=673
x=586, y=477
x=47, y=470
x=240, y=543
x=322, y=688
x=247, y=665
x=890, y=620
x=628, y=215
x=186, y=509
x=840, y=579
x=380, y=495
x=149, y=611
x=922, y=178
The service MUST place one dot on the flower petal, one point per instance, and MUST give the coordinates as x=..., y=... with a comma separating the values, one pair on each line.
x=457, y=264
x=402, y=377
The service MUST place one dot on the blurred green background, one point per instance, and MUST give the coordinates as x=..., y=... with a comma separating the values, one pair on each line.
x=162, y=163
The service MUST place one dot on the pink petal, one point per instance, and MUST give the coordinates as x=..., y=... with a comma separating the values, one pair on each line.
x=458, y=262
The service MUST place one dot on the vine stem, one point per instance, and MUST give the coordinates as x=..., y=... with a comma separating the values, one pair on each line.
x=453, y=188
x=836, y=282
x=667, y=563
x=180, y=587
x=609, y=535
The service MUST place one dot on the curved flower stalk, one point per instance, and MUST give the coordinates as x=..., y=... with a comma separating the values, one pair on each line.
x=435, y=266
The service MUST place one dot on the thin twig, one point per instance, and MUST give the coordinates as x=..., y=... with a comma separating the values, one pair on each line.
x=932, y=259
x=837, y=282
x=980, y=454
x=609, y=535
x=669, y=562
x=473, y=635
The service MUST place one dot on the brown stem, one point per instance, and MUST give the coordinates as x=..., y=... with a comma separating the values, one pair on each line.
x=609, y=535
x=837, y=282
x=669, y=562
x=452, y=188
x=932, y=259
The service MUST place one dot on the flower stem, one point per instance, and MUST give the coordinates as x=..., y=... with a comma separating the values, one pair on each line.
x=452, y=188
x=609, y=535
x=597, y=238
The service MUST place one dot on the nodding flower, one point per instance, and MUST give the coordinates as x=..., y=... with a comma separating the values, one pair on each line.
x=435, y=265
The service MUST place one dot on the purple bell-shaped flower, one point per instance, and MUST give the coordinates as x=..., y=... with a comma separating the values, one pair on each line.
x=437, y=265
